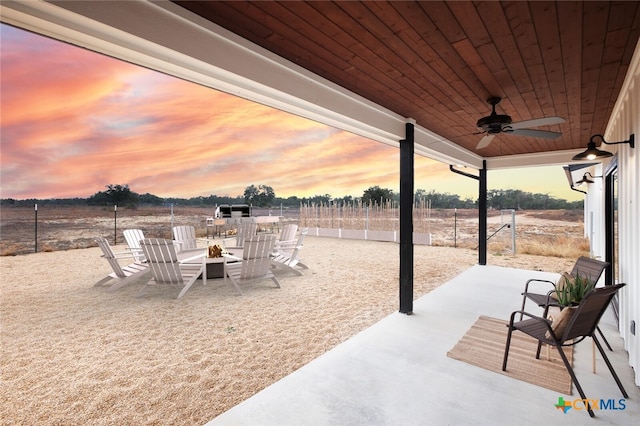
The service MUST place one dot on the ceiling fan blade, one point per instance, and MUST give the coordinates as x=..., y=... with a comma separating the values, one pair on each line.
x=532, y=133
x=485, y=141
x=546, y=121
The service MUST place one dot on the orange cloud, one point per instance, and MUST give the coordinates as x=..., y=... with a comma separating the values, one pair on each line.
x=74, y=121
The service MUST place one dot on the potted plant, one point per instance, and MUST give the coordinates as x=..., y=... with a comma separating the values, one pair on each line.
x=574, y=289
x=569, y=293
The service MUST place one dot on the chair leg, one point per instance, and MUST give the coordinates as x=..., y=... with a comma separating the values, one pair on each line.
x=276, y=282
x=102, y=281
x=538, y=350
x=187, y=285
x=575, y=379
x=506, y=349
x=613, y=372
x=604, y=339
x=524, y=301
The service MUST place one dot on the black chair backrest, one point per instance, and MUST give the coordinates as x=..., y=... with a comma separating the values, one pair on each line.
x=591, y=268
x=587, y=315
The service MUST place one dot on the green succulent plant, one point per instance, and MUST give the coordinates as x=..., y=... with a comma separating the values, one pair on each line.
x=574, y=289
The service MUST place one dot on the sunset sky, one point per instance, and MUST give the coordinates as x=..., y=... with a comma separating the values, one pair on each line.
x=73, y=121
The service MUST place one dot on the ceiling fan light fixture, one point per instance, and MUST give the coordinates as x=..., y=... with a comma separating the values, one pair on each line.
x=495, y=124
x=593, y=153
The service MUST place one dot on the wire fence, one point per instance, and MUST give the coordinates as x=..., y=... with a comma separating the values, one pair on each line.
x=49, y=228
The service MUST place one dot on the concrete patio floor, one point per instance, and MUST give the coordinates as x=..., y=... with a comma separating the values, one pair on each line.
x=398, y=372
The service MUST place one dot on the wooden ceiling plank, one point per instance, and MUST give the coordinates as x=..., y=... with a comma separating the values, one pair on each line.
x=433, y=46
x=595, y=17
x=546, y=24
x=570, y=16
x=426, y=74
x=503, y=38
x=467, y=16
x=469, y=54
x=368, y=70
x=494, y=61
x=523, y=30
x=445, y=21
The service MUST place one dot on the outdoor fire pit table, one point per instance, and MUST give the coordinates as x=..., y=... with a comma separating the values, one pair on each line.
x=213, y=266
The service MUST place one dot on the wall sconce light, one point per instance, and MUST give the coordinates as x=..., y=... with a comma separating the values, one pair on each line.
x=585, y=179
x=592, y=152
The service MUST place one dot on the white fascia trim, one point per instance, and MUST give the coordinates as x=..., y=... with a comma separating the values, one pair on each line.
x=553, y=158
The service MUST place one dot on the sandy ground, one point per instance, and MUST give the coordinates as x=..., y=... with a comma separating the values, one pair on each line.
x=72, y=353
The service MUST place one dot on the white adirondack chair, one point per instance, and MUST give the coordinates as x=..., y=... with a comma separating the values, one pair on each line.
x=255, y=263
x=286, y=256
x=133, y=238
x=122, y=274
x=288, y=234
x=165, y=267
x=246, y=230
x=185, y=237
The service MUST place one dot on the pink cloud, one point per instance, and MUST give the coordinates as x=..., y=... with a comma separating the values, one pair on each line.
x=74, y=121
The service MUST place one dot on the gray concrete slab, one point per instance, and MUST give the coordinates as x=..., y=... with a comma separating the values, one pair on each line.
x=398, y=372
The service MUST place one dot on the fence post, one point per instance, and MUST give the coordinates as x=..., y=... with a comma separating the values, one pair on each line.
x=455, y=227
x=36, y=229
x=115, y=224
x=171, y=219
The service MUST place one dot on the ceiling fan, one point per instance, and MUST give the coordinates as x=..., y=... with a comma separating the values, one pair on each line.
x=497, y=123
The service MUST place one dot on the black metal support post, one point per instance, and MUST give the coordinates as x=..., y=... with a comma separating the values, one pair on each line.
x=482, y=215
x=406, y=220
x=482, y=209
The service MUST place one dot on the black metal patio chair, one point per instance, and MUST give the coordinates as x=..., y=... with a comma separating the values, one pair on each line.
x=585, y=266
x=581, y=324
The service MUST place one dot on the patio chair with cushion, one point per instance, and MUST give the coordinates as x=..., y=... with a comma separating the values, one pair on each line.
x=165, y=267
x=122, y=274
x=570, y=328
x=255, y=263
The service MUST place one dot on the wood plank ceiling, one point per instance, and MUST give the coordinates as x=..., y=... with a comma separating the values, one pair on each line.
x=439, y=62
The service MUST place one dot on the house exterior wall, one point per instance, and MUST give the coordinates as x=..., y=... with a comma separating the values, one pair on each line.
x=624, y=121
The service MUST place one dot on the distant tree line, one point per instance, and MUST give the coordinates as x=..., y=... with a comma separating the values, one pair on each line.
x=264, y=196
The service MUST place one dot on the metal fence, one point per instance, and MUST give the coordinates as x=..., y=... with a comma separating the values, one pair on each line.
x=50, y=228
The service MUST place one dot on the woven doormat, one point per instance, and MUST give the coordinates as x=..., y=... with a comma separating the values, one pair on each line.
x=483, y=346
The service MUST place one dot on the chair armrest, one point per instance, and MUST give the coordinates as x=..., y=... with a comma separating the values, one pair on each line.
x=123, y=255
x=536, y=280
x=536, y=318
x=191, y=255
x=287, y=246
x=230, y=257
